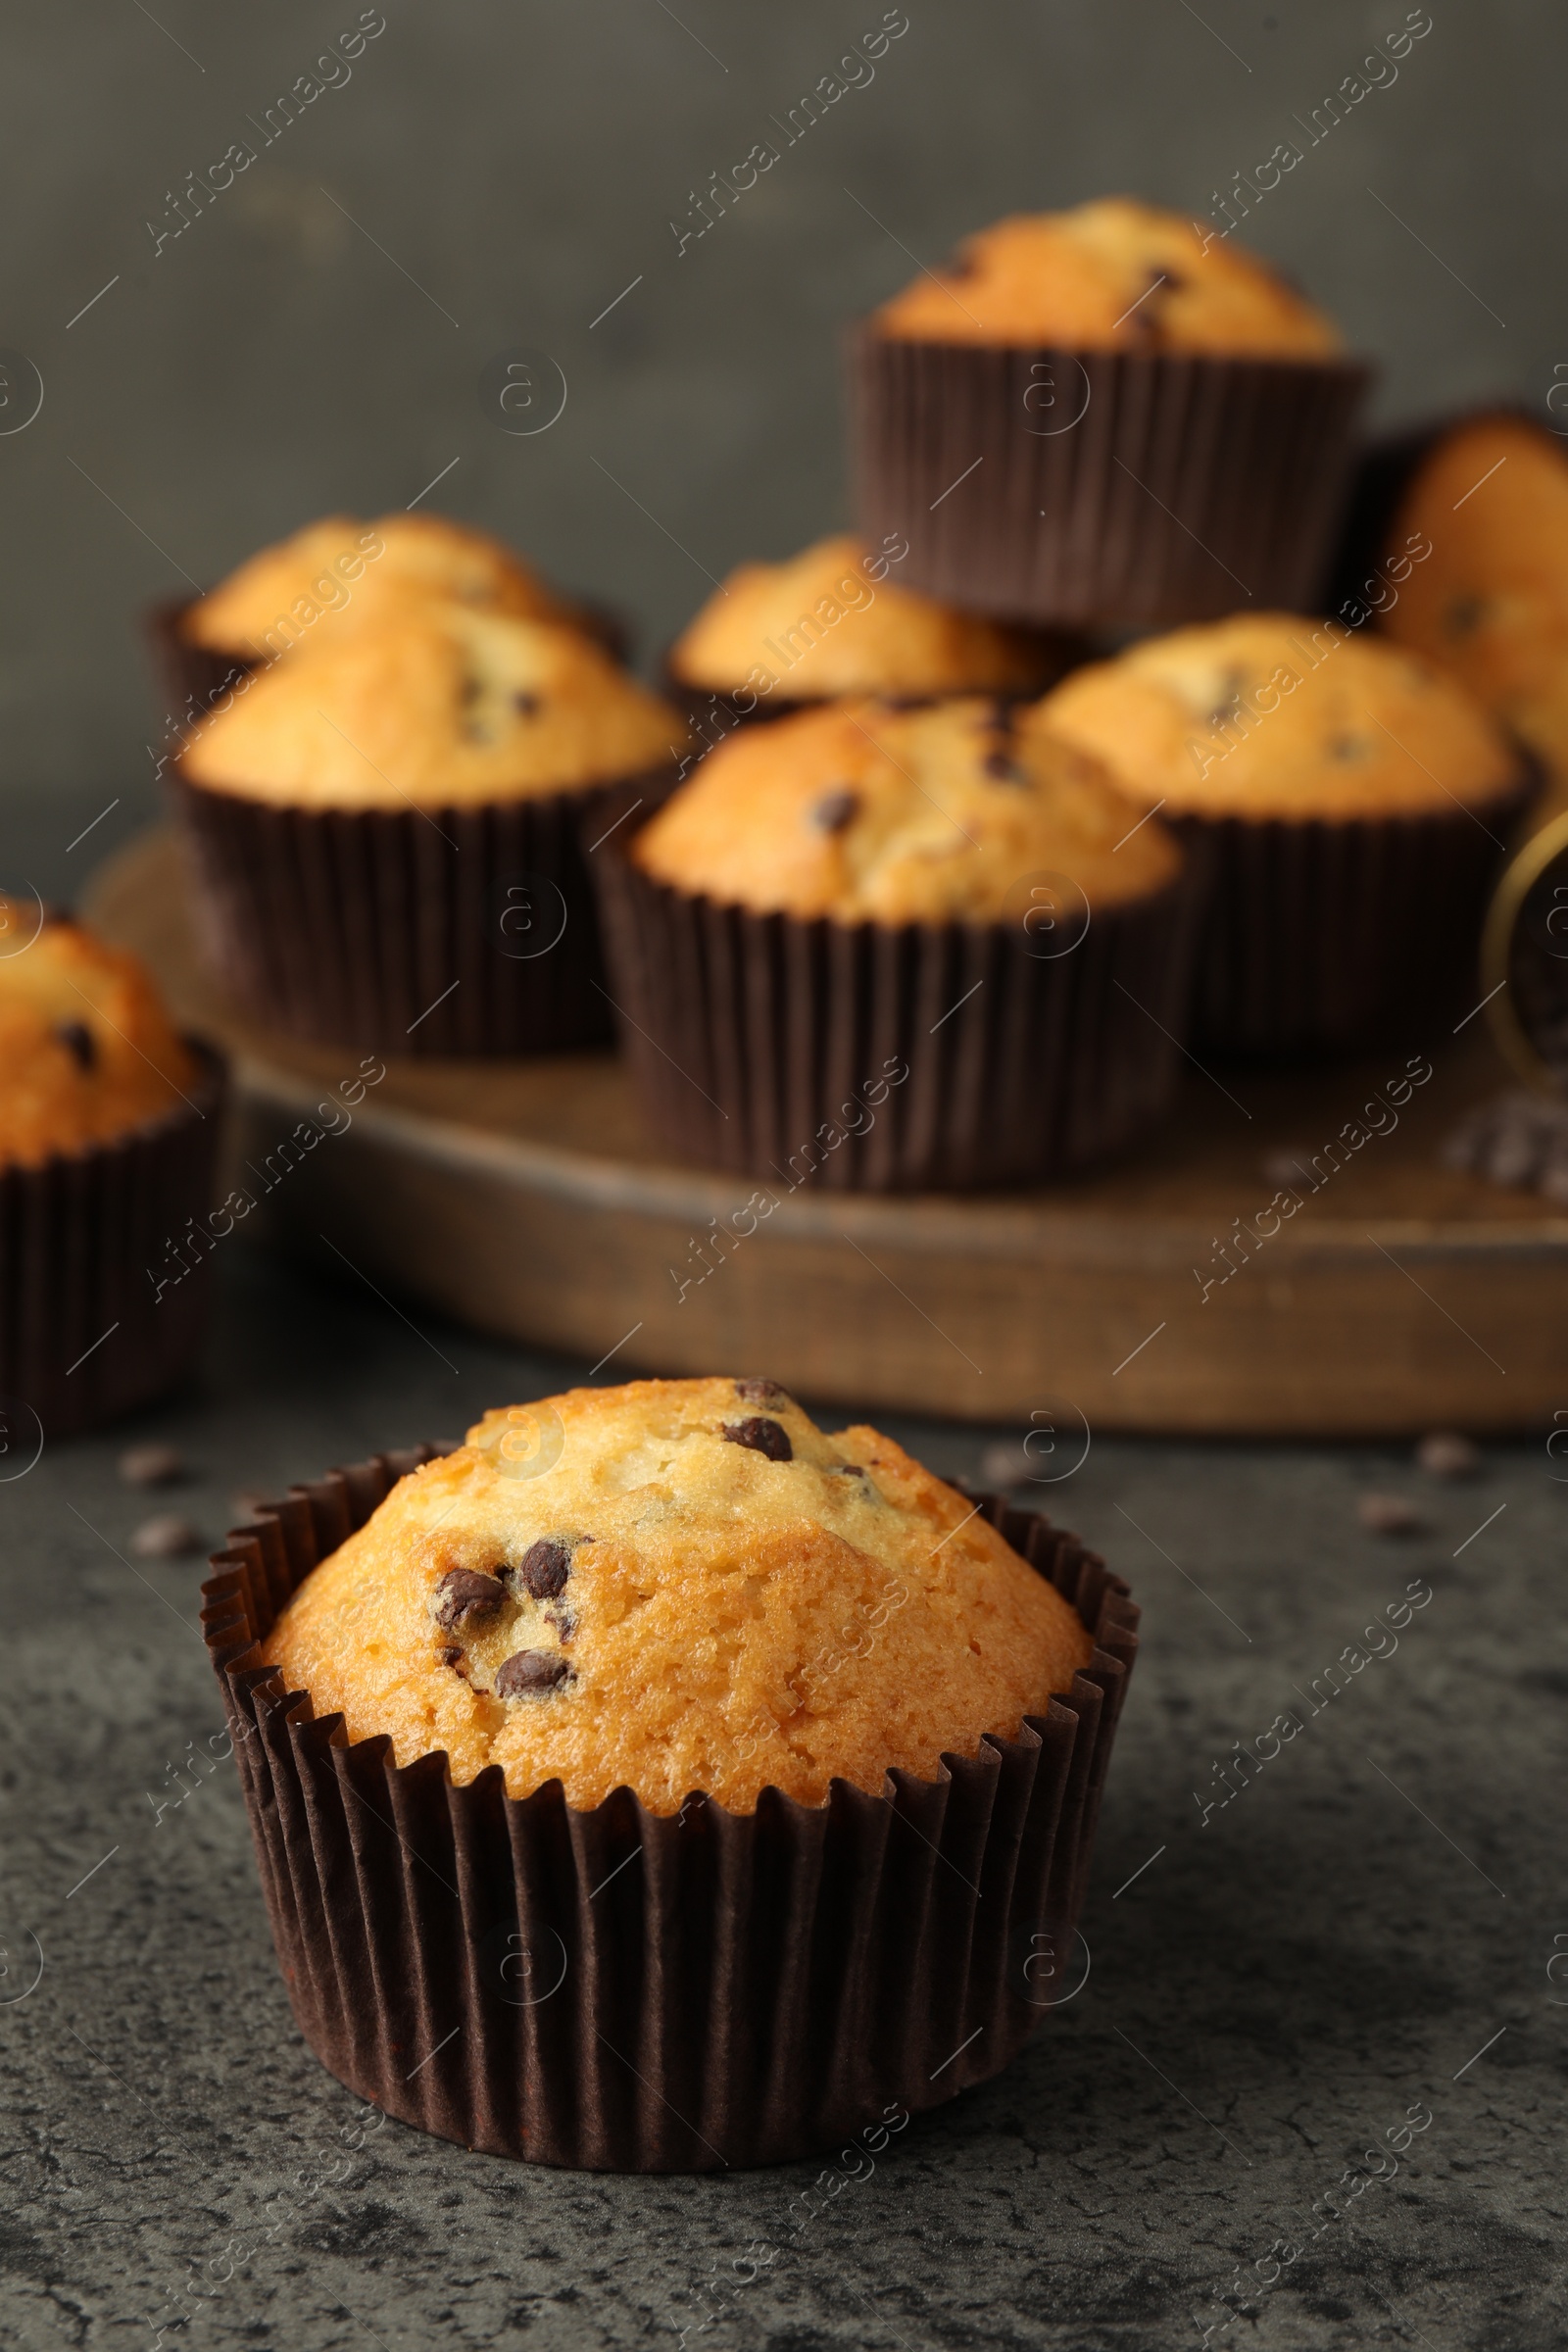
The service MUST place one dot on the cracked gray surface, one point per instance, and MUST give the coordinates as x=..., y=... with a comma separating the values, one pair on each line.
x=1268, y=1998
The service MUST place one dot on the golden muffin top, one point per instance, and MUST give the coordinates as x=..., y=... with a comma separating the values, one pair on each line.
x=1270, y=715
x=86, y=1049
x=345, y=575
x=439, y=706
x=821, y=623
x=871, y=814
x=674, y=1585
x=1113, y=276
x=1490, y=602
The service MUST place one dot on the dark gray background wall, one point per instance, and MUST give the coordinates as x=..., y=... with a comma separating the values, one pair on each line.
x=511, y=169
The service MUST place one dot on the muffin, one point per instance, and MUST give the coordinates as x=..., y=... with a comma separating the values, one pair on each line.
x=1348, y=801
x=654, y=1683
x=108, y=1135
x=1489, y=600
x=830, y=621
x=896, y=949
x=1105, y=415
x=385, y=830
x=336, y=577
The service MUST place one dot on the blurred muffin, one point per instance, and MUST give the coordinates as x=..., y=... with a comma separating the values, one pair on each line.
x=1104, y=417
x=347, y=573
x=1348, y=799
x=700, y=1723
x=1490, y=602
x=85, y=1045
x=829, y=621
x=1113, y=276
x=108, y=1133
x=676, y=1605
x=867, y=812
x=438, y=706
x=951, y=890
x=339, y=576
x=387, y=826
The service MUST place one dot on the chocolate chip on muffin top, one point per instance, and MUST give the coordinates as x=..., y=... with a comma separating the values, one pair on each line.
x=742, y=1614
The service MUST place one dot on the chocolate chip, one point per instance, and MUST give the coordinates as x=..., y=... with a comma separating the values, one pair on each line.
x=835, y=810
x=526, y=705
x=529, y=1671
x=763, y=1437
x=450, y=1655
x=762, y=1391
x=164, y=1538
x=543, y=1568
x=466, y=1595
x=77, y=1040
x=1388, y=1515
x=1464, y=614
x=1004, y=768
x=1444, y=1453
x=1348, y=747
x=151, y=1465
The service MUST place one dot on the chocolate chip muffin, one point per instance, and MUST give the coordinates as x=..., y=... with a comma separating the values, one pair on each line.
x=952, y=889
x=87, y=1049
x=386, y=831
x=1104, y=417
x=1350, y=800
x=657, y=1781
x=705, y=1592
x=863, y=812
x=1111, y=275
x=336, y=578
x=832, y=620
x=343, y=575
x=1489, y=600
x=108, y=1130
x=437, y=707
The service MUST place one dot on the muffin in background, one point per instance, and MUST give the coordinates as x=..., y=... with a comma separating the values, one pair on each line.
x=1490, y=602
x=1110, y=276
x=1104, y=417
x=339, y=576
x=831, y=621
x=108, y=1127
x=949, y=894
x=1348, y=801
x=385, y=830
x=754, y=1773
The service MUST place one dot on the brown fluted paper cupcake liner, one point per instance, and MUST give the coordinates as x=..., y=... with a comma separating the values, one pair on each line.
x=193, y=675
x=468, y=931
x=98, y=1311
x=911, y=1057
x=1322, y=938
x=1080, y=487
x=626, y=1992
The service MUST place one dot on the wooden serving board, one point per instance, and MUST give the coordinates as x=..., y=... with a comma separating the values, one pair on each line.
x=525, y=1198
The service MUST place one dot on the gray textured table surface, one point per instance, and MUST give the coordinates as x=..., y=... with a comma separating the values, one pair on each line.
x=1360, y=1940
